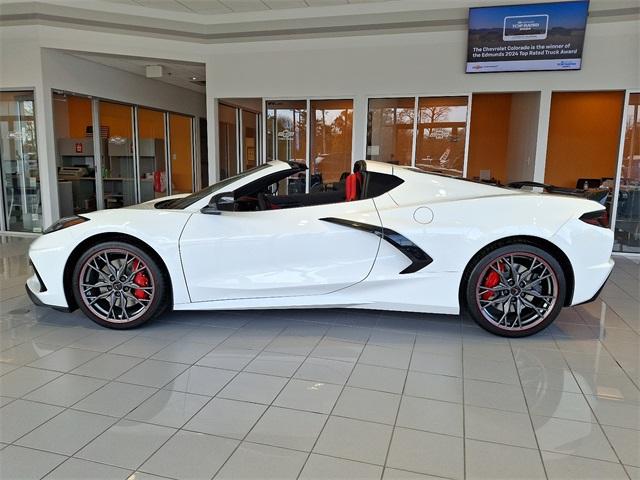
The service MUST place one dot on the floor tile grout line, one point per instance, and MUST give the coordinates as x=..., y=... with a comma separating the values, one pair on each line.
x=604, y=433
x=205, y=404
x=269, y=406
x=613, y=356
x=333, y=456
x=529, y=413
x=400, y=401
x=333, y=407
x=464, y=417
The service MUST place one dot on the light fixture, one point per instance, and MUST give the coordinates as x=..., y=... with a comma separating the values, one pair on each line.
x=117, y=140
x=154, y=71
x=194, y=78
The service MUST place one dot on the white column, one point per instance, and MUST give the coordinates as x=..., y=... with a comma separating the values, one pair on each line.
x=543, y=134
x=213, y=150
x=46, y=141
x=359, y=141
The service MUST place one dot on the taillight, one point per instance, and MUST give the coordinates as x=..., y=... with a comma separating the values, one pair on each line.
x=599, y=218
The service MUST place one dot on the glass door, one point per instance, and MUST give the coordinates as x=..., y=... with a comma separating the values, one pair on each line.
x=152, y=169
x=332, y=133
x=227, y=139
x=19, y=175
x=73, y=130
x=390, y=130
x=627, y=228
x=250, y=129
x=441, y=134
x=118, y=161
x=287, y=138
x=181, y=148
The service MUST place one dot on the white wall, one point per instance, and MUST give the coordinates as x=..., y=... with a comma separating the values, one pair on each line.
x=419, y=63
x=66, y=72
x=523, y=136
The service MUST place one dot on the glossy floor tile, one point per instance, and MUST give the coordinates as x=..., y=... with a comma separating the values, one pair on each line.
x=318, y=394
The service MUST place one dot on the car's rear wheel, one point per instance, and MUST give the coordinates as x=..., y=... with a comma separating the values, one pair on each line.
x=118, y=285
x=516, y=290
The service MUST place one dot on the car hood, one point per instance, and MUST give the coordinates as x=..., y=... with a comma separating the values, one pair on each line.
x=152, y=203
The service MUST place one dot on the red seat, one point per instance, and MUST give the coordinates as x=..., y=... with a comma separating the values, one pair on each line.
x=353, y=186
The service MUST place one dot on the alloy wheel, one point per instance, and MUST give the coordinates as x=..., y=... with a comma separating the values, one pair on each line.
x=517, y=291
x=116, y=285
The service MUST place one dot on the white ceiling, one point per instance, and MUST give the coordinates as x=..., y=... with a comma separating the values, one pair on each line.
x=176, y=73
x=235, y=6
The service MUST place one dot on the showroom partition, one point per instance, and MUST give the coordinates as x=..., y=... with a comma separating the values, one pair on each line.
x=111, y=154
x=316, y=132
x=19, y=175
x=425, y=132
x=591, y=150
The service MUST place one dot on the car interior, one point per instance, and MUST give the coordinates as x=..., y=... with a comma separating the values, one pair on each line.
x=268, y=192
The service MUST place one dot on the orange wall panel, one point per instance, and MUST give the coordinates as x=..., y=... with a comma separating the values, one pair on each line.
x=489, y=134
x=79, y=116
x=181, y=164
x=584, y=134
x=150, y=123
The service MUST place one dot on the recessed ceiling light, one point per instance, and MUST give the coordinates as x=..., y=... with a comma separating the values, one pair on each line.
x=194, y=78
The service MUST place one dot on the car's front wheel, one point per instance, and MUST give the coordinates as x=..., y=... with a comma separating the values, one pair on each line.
x=118, y=285
x=516, y=290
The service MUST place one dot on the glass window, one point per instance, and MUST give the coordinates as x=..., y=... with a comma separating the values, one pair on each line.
x=227, y=134
x=287, y=138
x=442, y=126
x=390, y=130
x=19, y=175
x=181, y=153
x=628, y=217
x=249, y=139
x=583, y=143
x=332, y=128
x=118, y=178
x=153, y=165
x=73, y=130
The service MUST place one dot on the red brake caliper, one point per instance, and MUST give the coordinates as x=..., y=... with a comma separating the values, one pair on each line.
x=491, y=280
x=141, y=280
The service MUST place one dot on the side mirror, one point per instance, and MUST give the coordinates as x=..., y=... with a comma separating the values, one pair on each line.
x=219, y=203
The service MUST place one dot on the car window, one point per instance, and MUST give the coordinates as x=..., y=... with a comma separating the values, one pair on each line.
x=180, y=203
x=288, y=191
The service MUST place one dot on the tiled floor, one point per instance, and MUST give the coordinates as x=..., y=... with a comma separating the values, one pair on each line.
x=318, y=394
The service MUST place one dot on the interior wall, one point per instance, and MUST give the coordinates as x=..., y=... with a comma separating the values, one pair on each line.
x=584, y=135
x=66, y=72
x=523, y=135
x=489, y=134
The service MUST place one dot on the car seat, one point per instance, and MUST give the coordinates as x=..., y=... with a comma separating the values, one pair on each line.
x=354, y=183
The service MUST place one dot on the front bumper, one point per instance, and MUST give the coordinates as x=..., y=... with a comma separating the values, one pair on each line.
x=36, y=291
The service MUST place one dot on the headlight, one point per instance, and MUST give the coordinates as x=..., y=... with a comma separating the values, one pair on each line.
x=65, y=222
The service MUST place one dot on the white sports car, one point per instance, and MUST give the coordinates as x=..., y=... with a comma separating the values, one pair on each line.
x=385, y=237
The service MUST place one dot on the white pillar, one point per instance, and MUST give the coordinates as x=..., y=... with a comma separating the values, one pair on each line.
x=359, y=141
x=46, y=141
x=213, y=150
x=543, y=134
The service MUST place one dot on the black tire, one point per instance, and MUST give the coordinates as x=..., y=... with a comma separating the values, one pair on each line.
x=89, y=298
x=545, y=291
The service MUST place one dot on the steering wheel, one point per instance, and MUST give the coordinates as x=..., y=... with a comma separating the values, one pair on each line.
x=263, y=204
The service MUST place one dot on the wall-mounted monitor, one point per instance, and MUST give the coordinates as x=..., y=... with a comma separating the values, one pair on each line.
x=518, y=38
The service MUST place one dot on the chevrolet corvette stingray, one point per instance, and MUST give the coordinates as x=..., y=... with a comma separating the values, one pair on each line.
x=385, y=237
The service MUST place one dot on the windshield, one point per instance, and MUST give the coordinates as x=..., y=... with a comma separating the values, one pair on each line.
x=180, y=203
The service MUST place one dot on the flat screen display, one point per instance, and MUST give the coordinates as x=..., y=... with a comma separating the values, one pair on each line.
x=541, y=36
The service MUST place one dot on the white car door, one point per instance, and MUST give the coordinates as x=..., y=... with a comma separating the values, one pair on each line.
x=284, y=252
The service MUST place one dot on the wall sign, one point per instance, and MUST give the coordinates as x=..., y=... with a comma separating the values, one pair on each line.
x=543, y=36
